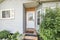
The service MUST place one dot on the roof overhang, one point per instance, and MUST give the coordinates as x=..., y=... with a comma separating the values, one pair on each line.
x=42, y=1
x=35, y=3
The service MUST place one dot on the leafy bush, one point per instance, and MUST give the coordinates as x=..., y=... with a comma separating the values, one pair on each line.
x=4, y=34
x=14, y=36
x=50, y=26
x=9, y=36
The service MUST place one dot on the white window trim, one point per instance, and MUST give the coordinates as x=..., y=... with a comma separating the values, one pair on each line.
x=11, y=13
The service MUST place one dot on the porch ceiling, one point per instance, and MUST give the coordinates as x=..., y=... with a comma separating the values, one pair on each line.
x=31, y=4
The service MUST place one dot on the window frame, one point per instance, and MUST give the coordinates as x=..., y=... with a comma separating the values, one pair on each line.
x=11, y=13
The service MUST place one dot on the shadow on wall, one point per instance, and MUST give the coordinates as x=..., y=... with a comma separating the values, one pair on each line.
x=1, y=1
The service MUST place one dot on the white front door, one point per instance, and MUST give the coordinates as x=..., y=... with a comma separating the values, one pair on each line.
x=30, y=19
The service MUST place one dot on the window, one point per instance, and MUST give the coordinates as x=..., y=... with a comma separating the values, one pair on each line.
x=6, y=14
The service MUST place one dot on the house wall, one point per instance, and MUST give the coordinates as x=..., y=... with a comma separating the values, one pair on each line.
x=16, y=24
x=45, y=5
x=50, y=4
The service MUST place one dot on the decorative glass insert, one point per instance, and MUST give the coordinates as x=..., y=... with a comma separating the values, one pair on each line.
x=38, y=18
x=30, y=16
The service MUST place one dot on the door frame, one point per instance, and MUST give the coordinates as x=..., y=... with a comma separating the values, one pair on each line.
x=29, y=9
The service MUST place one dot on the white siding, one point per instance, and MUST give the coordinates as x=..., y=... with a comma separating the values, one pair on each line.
x=15, y=24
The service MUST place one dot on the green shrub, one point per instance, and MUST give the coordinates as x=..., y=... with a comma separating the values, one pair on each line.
x=7, y=35
x=4, y=34
x=50, y=26
x=13, y=37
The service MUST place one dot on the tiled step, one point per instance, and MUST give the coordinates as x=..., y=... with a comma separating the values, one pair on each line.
x=27, y=39
x=31, y=38
x=30, y=30
x=34, y=35
x=30, y=34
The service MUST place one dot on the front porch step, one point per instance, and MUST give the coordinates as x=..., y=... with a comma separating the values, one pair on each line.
x=30, y=38
x=30, y=34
